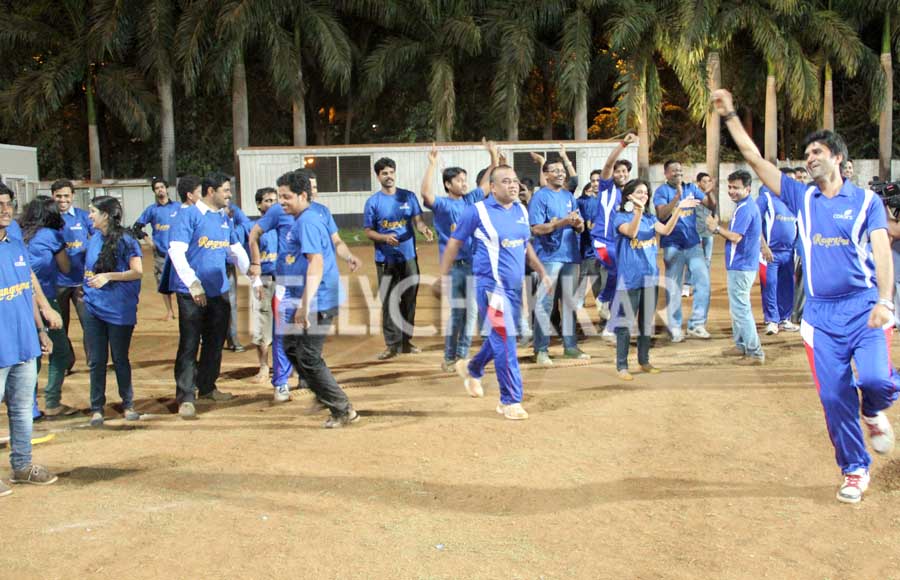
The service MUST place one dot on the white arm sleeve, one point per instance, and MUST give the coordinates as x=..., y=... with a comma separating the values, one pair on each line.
x=241, y=259
x=178, y=255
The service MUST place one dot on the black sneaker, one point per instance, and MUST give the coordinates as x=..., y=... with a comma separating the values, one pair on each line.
x=388, y=354
x=410, y=348
x=341, y=421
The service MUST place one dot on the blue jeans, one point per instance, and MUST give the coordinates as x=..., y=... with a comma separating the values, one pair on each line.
x=707, y=242
x=105, y=338
x=17, y=389
x=463, y=312
x=743, y=327
x=675, y=260
x=567, y=275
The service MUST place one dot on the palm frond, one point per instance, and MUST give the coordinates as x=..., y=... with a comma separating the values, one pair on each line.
x=391, y=56
x=575, y=65
x=194, y=38
x=324, y=35
x=125, y=94
x=460, y=34
x=442, y=94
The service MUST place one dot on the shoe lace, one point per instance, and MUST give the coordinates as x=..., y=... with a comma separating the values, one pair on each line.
x=853, y=480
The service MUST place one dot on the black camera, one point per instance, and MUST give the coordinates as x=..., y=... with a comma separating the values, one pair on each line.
x=889, y=192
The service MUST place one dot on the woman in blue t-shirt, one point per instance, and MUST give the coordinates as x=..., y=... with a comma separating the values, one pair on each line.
x=42, y=225
x=637, y=247
x=112, y=284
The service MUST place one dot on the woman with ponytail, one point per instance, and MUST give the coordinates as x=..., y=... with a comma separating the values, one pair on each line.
x=112, y=283
x=42, y=225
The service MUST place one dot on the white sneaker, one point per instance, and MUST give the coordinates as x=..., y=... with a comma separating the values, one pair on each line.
x=472, y=385
x=513, y=412
x=603, y=310
x=282, y=394
x=608, y=335
x=855, y=484
x=789, y=326
x=698, y=332
x=685, y=291
x=881, y=434
x=771, y=328
x=543, y=359
x=677, y=336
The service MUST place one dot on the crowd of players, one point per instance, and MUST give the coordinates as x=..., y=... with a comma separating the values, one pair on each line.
x=515, y=267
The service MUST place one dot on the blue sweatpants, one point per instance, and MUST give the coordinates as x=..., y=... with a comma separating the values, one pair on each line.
x=281, y=364
x=836, y=332
x=606, y=255
x=500, y=309
x=776, y=281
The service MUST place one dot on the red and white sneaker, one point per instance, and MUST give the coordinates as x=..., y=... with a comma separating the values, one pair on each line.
x=472, y=384
x=881, y=434
x=855, y=484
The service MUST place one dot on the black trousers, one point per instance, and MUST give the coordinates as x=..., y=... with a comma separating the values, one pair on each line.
x=398, y=295
x=304, y=350
x=196, y=325
x=67, y=296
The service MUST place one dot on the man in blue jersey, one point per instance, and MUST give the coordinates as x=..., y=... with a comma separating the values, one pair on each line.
x=556, y=227
x=200, y=244
x=312, y=297
x=614, y=175
x=261, y=321
x=680, y=249
x=742, y=247
x=447, y=211
x=276, y=219
x=710, y=191
x=849, y=283
x=776, y=268
x=76, y=231
x=499, y=229
x=159, y=216
x=24, y=341
x=390, y=216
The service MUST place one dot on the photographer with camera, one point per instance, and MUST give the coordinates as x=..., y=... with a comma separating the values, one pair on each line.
x=159, y=216
x=890, y=196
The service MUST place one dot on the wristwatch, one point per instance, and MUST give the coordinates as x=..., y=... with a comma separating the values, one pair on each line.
x=889, y=304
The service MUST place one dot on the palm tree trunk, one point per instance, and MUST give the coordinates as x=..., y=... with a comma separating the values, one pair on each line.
x=298, y=105
x=512, y=125
x=713, y=126
x=581, y=118
x=167, y=127
x=644, y=143
x=828, y=105
x=93, y=136
x=771, y=128
x=240, y=122
x=886, y=118
x=747, y=121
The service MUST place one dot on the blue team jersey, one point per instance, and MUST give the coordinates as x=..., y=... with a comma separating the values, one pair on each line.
x=746, y=221
x=609, y=196
x=636, y=257
x=116, y=302
x=393, y=214
x=76, y=232
x=310, y=236
x=562, y=244
x=268, y=249
x=325, y=215
x=499, y=237
x=42, y=250
x=13, y=230
x=208, y=237
x=587, y=207
x=160, y=218
x=447, y=212
x=276, y=219
x=834, y=236
x=20, y=339
x=685, y=234
x=779, y=225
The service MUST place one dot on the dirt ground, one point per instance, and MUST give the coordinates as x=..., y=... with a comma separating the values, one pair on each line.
x=708, y=470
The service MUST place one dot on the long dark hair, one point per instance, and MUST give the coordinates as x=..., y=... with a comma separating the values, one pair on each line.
x=629, y=188
x=41, y=212
x=108, y=258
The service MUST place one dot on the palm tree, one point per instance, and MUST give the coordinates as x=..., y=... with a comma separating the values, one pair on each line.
x=150, y=24
x=888, y=12
x=436, y=35
x=67, y=65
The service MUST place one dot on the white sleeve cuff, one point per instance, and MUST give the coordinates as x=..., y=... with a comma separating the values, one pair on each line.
x=240, y=255
x=178, y=255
